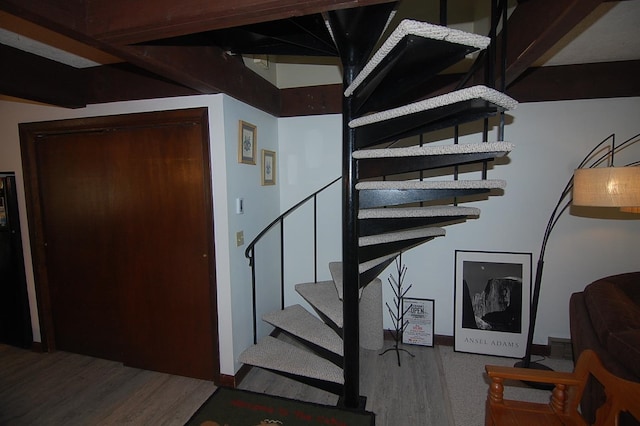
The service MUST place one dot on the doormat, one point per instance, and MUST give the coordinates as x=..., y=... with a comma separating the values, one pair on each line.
x=234, y=407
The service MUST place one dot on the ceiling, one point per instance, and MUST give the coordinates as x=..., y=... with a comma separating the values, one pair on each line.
x=107, y=53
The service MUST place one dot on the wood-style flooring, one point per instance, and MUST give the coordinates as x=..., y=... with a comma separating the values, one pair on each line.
x=62, y=388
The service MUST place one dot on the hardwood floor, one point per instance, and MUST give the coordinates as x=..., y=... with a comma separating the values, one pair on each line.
x=61, y=388
x=68, y=389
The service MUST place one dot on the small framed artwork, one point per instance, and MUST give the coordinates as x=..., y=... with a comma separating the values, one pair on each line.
x=247, y=143
x=268, y=167
x=492, y=302
x=419, y=315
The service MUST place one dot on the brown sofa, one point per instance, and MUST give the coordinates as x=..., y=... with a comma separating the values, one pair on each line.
x=605, y=317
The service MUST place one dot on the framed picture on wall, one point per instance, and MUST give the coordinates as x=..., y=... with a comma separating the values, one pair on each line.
x=492, y=302
x=268, y=167
x=247, y=143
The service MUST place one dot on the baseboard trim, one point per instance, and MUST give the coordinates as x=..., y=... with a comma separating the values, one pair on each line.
x=438, y=340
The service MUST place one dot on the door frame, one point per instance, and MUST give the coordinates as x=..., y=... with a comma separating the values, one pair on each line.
x=30, y=133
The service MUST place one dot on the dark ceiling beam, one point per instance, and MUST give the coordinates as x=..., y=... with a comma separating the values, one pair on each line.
x=534, y=27
x=125, y=82
x=203, y=69
x=208, y=70
x=63, y=16
x=558, y=83
x=585, y=81
x=126, y=22
x=27, y=76
x=311, y=100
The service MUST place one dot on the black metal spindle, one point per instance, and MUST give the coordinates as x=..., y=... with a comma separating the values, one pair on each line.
x=282, y=263
x=252, y=263
x=503, y=65
x=315, y=239
x=443, y=12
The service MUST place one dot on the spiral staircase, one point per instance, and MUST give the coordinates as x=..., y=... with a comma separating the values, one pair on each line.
x=383, y=214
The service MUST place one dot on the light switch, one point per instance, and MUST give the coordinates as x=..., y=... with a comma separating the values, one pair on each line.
x=239, y=206
x=239, y=238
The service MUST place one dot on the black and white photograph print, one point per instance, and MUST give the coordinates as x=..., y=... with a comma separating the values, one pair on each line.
x=492, y=302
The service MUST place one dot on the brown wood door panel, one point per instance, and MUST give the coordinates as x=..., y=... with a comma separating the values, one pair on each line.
x=124, y=214
x=165, y=249
x=80, y=243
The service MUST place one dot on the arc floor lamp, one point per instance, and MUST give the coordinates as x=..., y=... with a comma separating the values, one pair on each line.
x=592, y=184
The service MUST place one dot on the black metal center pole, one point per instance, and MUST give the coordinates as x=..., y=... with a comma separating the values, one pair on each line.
x=351, y=277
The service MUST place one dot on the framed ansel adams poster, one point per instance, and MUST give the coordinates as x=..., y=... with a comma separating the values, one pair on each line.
x=492, y=302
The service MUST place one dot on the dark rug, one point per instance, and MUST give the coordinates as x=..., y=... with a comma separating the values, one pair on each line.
x=234, y=407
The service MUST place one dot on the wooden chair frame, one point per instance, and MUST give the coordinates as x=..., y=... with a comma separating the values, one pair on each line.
x=621, y=395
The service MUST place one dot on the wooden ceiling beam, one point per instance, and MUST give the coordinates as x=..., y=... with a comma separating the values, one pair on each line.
x=27, y=76
x=311, y=100
x=584, y=81
x=205, y=70
x=208, y=70
x=125, y=22
x=125, y=82
x=63, y=16
x=534, y=27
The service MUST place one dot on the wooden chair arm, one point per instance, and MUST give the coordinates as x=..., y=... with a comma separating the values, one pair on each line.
x=532, y=375
x=561, y=402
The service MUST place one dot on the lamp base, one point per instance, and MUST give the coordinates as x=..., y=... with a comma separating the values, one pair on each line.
x=535, y=366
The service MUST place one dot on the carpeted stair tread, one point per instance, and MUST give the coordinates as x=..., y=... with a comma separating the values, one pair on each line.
x=421, y=29
x=365, y=266
x=323, y=296
x=450, y=149
x=470, y=93
x=299, y=322
x=432, y=184
x=336, y=273
x=410, y=234
x=431, y=211
x=273, y=354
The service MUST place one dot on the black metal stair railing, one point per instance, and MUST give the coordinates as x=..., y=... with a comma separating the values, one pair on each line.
x=251, y=255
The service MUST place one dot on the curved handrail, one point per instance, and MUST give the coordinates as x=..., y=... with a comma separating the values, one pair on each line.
x=248, y=253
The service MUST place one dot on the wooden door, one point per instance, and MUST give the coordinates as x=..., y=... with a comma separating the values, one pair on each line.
x=124, y=208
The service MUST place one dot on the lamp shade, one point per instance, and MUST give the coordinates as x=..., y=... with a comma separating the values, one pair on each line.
x=630, y=209
x=607, y=187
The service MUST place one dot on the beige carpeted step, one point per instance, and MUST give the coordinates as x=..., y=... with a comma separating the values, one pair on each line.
x=419, y=151
x=299, y=322
x=468, y=94
x=273, y=354
x=431, y=211
x=409, y=27
x=323, y=296
x=336, y=274
x=432, y=184
x=410, y=234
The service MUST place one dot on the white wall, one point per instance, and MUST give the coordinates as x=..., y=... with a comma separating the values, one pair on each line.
x=261, y=205
x=230, y=180
x=310, y=152
x=551, y=138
